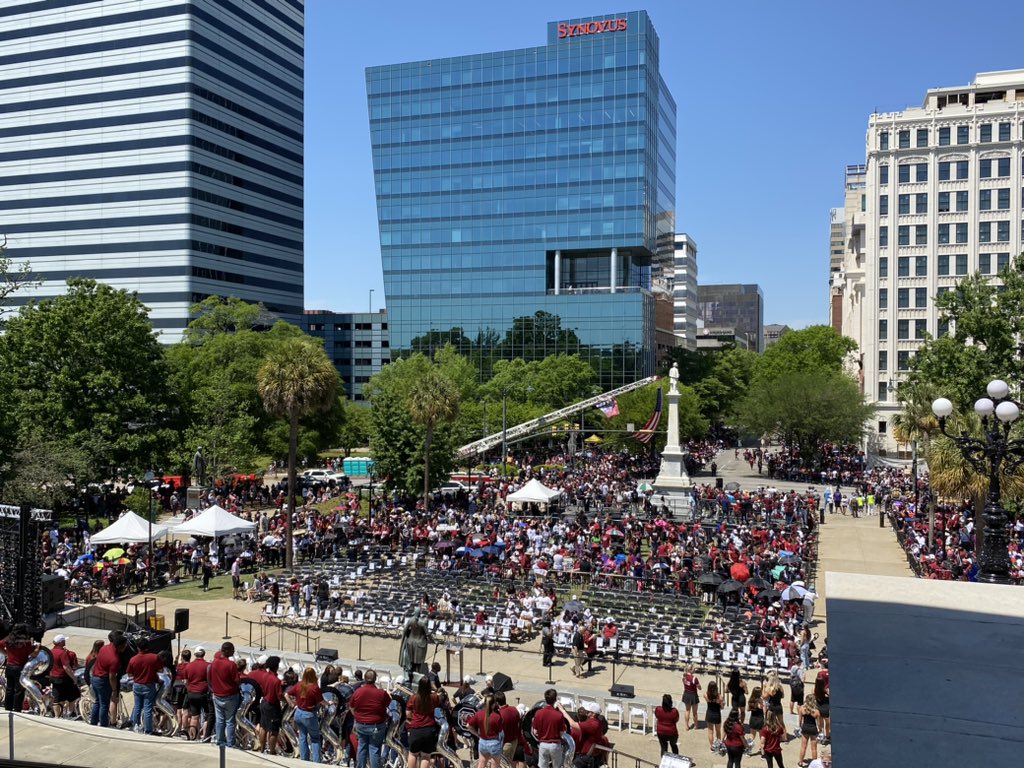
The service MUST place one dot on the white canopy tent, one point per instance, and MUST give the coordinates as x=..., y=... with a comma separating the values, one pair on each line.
x=129, y=529
x=214, y=521
x=534, y=492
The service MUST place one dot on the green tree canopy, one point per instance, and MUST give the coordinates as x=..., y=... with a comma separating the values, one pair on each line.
x=86, y=369
x=398, y=442
x=816, y=348
x=213, y=373
x=807, y=408
x=986, y=325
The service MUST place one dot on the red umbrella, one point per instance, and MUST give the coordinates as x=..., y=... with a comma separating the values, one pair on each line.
x=739, y=571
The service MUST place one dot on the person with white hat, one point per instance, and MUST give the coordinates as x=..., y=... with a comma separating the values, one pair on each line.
x=62, y=678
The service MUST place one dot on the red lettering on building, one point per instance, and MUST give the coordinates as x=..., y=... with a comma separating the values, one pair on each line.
x=592, y=28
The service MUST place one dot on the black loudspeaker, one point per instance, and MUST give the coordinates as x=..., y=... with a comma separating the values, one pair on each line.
x=620, y=691
x=719, y=483
x=53, y=593
x=501, y=682
x=327, y=654
x=180, y=620
x=160, y=640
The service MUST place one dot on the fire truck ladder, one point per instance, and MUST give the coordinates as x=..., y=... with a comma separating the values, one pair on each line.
x=529, y=427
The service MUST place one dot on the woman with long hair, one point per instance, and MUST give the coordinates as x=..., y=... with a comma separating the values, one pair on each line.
x=486, y=726
x=773, y=694
x=756, y=705
x=824, y=705
x=773, y=735
x=421, y=724
x=691, y=699
x=666, y=718
x=713, y=716
x=735, y=742
x=305, y=696
x=808, y=730
x=738, y=692
x=805, y=647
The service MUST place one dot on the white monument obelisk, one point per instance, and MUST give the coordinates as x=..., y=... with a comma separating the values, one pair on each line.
x=672, y=475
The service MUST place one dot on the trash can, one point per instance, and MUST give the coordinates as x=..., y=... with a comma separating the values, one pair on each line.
x=156, y=621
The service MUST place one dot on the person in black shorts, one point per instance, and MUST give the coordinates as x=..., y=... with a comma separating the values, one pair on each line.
x=270, y=704
x=808, y=730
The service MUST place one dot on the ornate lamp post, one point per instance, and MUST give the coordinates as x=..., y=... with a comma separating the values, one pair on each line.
x=994, y=454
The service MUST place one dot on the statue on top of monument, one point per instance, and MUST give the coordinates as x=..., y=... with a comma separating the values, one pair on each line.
x=673, y=378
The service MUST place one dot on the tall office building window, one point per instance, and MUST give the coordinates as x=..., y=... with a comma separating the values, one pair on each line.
x=986, y=133
x=922, y=137
x=1004, y=131
x=944, y=136
x=963, y=134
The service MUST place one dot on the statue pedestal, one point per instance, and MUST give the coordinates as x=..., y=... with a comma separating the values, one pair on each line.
x=673, y=482
x=192, y=496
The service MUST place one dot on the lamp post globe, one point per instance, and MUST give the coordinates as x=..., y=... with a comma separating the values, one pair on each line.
x=997, y=389
x=992, y=456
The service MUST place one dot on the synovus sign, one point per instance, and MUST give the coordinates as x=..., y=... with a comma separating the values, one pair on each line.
x=591, y=28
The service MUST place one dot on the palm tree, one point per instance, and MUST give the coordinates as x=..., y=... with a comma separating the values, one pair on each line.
x=296, y=379
x=433, y=400
x=916, y=425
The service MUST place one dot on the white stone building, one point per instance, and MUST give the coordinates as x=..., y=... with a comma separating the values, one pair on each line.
x=943, y=201
x=684, y=291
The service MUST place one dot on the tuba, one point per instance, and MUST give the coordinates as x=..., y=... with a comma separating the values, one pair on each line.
x=165, y=719
x=251, y=695
x=396, y=750
x=333, y=707
x=32, y=680
x=289, y=737
x=3, y=678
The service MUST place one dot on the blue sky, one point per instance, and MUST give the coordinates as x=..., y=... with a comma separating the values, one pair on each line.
x=773, y=102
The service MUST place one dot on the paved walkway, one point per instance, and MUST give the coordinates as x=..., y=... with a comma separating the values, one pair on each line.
x=847, y=544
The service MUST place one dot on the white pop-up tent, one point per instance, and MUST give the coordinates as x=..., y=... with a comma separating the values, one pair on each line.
x=534, y=492
x=129, y=529
x=214, y=521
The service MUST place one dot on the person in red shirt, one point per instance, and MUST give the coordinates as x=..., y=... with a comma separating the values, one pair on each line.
x=180, y=691
x=143, y=668
x=421, y=724
x=511, y=728
x=198, y=695
x=485, y=725
x=666, y=719
x=733, y=736
x=772, y=737
x=369, y=707
x=62, y=677
x=270, y=704
x=591, y=729
x=19, y=647
x=305, y=697
x=105, y=679
x=549, y=723
x=224, y=686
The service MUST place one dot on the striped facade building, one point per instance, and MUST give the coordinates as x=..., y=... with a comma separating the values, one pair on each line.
x=156, y=146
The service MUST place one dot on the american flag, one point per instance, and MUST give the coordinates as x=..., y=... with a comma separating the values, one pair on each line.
x=645, y=434
x=609, y=408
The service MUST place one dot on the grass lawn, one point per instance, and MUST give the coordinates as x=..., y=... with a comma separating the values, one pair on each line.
x=220, y=587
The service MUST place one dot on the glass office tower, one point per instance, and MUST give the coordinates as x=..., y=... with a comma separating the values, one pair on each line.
x=526, y=197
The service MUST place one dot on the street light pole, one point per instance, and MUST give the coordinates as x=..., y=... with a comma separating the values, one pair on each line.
x=504, y=433
x=148, y=480
x=991, y=455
